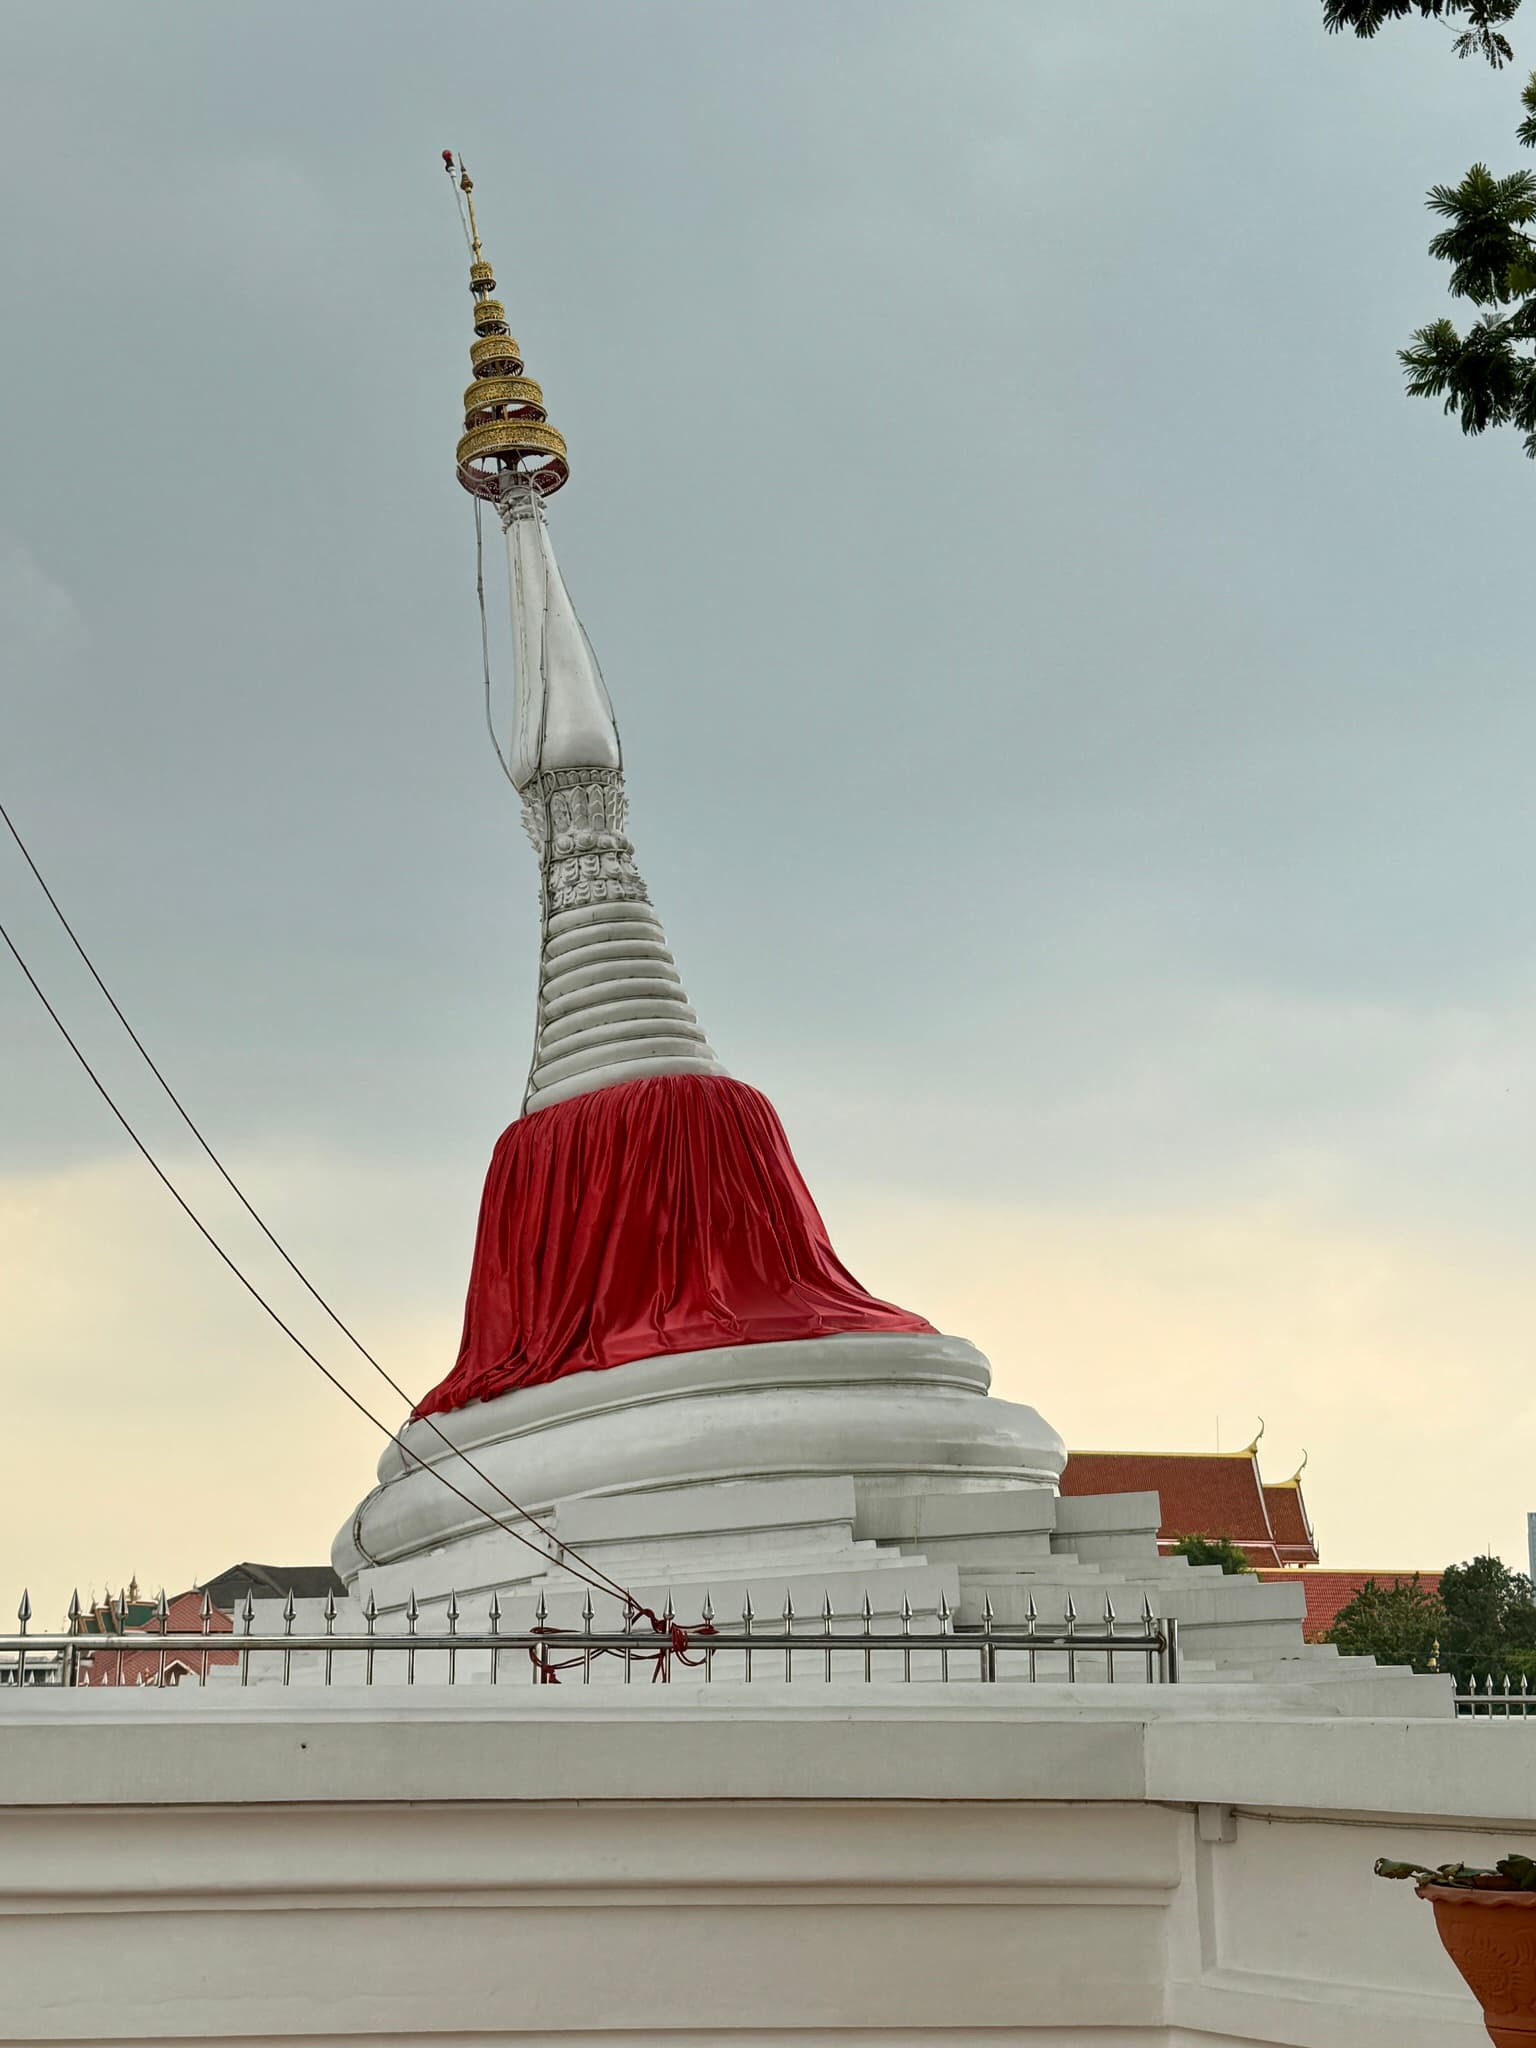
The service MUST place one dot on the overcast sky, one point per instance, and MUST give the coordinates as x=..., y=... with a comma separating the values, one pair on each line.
x=1079, y=713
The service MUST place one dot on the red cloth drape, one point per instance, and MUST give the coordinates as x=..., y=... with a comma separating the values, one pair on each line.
x=654, y=1216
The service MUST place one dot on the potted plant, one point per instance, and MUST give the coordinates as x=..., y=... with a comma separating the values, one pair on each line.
x=1487, y=1920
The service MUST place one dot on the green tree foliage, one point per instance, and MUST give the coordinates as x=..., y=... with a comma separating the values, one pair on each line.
x=1480, y=37
x=1481, y=1623
x=1490, y=1620
x=1487, y=376
x=1213, y=1550
x=1395, y=1624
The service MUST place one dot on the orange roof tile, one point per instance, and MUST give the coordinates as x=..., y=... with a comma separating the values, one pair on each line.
x=99, y=1665
x=1203, y=1493
x=1288, y=1518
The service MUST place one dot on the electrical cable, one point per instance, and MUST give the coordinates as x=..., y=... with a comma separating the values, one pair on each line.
x=260, y=1299
x=238, y=1192
x=585, y=1570
x=485, y=649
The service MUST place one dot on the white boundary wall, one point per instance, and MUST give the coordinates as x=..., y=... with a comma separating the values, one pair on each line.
x=985, y=1864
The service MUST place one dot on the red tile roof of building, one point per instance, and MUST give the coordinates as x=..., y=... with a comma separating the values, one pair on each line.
x=99, y=1665
x=1288, y=1518
x=1327, y=1593
x=1203, y=1493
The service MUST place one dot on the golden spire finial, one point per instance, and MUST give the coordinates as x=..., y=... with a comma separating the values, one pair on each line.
x=507, y=437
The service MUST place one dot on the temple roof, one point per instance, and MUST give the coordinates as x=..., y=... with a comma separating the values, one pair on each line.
x=1288, y=1519
x=1205, y=1493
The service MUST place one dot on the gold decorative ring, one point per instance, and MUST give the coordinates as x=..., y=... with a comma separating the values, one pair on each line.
x=502, y=391
x=500, y=349
x=513, y=442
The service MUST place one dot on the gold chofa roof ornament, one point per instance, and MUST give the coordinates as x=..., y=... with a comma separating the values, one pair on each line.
x=507, y=436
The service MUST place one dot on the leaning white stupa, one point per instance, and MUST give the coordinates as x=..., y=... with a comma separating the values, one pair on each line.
x=664, y=1364
x=669, y=1388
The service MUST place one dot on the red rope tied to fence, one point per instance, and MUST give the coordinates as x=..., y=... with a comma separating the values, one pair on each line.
x=678, y=1641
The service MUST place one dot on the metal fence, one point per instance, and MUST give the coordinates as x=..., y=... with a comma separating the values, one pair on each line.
x=349, y=1648
x=1492, y=1701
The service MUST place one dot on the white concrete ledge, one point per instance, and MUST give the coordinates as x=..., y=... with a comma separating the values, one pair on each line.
x=1243, y=1745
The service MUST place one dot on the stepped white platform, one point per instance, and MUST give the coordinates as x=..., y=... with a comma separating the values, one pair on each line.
x=873, y=1468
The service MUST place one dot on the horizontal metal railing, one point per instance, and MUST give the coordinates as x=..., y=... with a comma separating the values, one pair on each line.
x=916, y=1649
x=1493, y=1702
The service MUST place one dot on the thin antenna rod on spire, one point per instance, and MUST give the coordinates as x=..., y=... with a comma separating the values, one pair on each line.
x=467, y=187
x=457, y=200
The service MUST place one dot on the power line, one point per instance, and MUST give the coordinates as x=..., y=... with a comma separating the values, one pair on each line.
x=591, y=1574
x=232, y=1184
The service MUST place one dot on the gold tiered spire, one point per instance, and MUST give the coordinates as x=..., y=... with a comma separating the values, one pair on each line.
x=507, y=434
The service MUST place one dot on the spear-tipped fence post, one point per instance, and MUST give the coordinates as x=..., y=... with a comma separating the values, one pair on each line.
x=69, y=1675
x=707, y=1616
x=1148, y=1629
x=247, y=1623
x=869, y=1626
x=540, y=1656
x=988, y=1648
x=944, y=1631
x=668, y=1618
x=746, y=1629
x=1109, y=1630
x=906, y=1629
x=370, y=1623
x=162, y=1627
x=826, y=1630
x=412, y=1611
x=1071, y=1627
x=330, y=1630
x=452, y=1617
x=1171, y=1650
x=23, y=1616
x=290, y=1610
x=789, y=1632
x=586, y=1629
x=1031, y=1623
x=494, y=1629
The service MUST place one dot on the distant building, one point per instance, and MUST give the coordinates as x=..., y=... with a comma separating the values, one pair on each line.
x=1206, y=1493
x=130, y=1614
x=1221, y=1493
x=272, y=1582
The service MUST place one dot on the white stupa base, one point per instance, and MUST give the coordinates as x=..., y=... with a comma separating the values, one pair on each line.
x=821, y=1474
x=899, y=1415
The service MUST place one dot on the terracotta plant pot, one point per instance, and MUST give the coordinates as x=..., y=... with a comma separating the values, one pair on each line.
x=1491, y=1938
